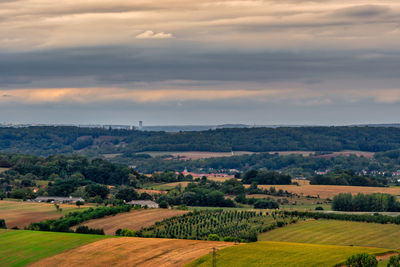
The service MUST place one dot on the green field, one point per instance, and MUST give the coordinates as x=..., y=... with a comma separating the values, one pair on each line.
x=283, y=254
x=18, y=247
x=333, y=232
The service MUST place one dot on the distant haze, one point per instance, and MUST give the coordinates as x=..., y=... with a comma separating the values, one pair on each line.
x=272, y=62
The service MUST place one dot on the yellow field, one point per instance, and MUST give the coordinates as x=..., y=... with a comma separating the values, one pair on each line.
x=132, y=251
x=329, y=191
x=20, y=214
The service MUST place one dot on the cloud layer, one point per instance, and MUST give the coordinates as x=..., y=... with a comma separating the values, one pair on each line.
x=302, y=54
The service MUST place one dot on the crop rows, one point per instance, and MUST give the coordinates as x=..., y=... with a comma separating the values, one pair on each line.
x=228, y=225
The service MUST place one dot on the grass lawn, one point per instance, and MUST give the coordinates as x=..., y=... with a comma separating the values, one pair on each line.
x=283, y=254
x=19, y=247
x=335, y=232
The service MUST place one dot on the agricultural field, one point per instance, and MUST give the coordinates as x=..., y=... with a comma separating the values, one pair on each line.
x=329, y=191
x=296, y=203
x=283, y=254
x=347, y=153
x=132, y=251
x=226, y=224
x=185, y=155
x=151, y=192
x=22, y=213
x=19, y=248
x=135, y=220
x=162, y=187
x=334, y=232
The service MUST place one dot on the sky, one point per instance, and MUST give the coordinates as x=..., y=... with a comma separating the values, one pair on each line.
x=325, y=62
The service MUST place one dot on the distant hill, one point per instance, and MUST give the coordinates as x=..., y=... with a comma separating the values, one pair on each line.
x=47, y=140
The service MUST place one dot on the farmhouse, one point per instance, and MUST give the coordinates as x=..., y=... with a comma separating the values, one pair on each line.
x=143, y=203
x=58, y=199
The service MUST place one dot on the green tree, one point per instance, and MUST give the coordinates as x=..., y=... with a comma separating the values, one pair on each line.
x=394, y=261
x=362, y=260
x=79, y=203
x=213, y=237
x=97, y=190
x=127, y=194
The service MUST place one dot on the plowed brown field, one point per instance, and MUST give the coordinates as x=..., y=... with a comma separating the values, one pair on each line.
x=131, y=251
x=329, y=191
x=133, y=220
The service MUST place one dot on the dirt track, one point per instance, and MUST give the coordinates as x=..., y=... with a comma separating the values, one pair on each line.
x=133, y=220
x=131, y=251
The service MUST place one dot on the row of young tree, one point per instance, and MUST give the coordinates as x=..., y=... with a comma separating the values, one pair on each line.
x=362, y=202
x=227, y=225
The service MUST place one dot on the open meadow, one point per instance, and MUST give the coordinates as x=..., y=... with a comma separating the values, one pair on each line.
x=20, y=247
x=22, y=213
x=135, y=220
x=329, y=191
x=283, y=254
x=133, y=251
x=334, y=232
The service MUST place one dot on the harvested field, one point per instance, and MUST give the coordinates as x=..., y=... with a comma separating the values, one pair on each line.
x=135, y=219
x=185, y=155
x=20, y=214
x=219, y=179
x=329, y=191
x=151, y=192
x=131, y=251
x=369, y=155
x=168, y=186
x=301, y=182
x=334, y=232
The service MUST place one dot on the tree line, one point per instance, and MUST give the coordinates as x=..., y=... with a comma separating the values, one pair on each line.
x=362, y=202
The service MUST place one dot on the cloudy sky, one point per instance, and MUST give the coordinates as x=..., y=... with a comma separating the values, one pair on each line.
x=200, y=61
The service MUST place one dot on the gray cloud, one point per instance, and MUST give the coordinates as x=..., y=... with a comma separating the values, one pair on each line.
x=364, y=11
x=110, y=65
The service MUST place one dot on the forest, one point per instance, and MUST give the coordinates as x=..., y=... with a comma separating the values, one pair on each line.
x=48, y=140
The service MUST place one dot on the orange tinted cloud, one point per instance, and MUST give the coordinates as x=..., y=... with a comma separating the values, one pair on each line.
x=86, y=95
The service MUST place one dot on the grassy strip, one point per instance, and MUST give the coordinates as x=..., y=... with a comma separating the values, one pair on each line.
x=283, y=254
x=19, y=248
x=335, y=232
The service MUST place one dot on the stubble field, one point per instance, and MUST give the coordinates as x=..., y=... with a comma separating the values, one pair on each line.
x=132, y=251
x=134, y=220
